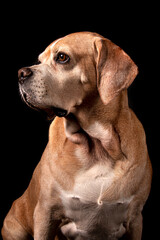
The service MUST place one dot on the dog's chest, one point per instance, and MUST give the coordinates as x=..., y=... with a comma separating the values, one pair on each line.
x=85, y=206
x=90, y=184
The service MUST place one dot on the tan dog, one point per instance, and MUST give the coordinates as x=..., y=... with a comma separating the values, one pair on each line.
x=95, y=174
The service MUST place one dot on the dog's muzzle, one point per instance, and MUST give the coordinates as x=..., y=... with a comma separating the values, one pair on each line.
x=24, y=74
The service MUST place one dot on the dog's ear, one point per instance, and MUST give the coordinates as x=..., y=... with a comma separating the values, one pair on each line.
x=115, y=69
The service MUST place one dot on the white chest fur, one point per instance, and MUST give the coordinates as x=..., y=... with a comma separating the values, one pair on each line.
x=90, y=184
x=90, y=215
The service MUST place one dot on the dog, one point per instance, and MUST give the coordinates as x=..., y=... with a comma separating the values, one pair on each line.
x=95, y=175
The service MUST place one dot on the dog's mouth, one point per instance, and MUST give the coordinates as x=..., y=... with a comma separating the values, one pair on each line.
x=50, y=111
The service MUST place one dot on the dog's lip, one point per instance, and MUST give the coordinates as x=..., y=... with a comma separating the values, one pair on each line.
x=25, y=98
x=51, y=111
x=27, y=102
x=60, y=112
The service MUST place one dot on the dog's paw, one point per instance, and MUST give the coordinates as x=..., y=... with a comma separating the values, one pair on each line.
x=69, y=230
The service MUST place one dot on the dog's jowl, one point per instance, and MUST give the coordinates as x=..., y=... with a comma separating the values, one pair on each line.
x=94, y=176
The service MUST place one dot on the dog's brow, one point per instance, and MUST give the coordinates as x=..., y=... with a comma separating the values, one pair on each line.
x=38, y=59
x=54, y=43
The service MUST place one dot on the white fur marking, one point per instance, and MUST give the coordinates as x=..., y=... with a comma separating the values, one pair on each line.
x=54, y=43
x=98, y=131
x=90, y=184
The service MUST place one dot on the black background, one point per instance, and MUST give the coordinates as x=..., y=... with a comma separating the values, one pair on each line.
x=26, y=30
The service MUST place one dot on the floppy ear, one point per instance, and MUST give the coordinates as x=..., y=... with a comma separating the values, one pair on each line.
x=115, y=69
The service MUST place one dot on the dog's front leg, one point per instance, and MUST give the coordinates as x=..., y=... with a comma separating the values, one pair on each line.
x=45, y=226
x=134, y=231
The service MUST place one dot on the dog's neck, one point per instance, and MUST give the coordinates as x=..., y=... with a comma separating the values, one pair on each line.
x=96, y=121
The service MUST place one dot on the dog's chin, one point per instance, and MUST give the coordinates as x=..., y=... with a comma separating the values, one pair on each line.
x=49, y=111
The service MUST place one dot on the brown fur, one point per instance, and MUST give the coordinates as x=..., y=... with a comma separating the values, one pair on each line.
x=95, y=174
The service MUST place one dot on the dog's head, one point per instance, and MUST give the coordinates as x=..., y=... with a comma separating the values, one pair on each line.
x=72, y=68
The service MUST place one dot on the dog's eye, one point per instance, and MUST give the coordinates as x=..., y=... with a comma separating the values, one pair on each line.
x=62, y=58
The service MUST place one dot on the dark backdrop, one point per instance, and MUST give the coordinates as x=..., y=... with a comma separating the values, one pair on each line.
x=25, y=32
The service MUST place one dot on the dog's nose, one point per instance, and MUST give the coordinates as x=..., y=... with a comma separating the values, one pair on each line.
x=24, y=73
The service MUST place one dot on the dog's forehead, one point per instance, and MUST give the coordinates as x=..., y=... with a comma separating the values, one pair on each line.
x=79, y=38
x=80, y=42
